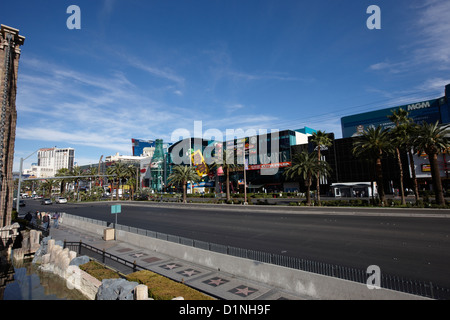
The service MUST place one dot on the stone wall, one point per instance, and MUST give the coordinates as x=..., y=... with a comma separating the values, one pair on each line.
x=30, y=244
x=64, y=263
x=8, y=236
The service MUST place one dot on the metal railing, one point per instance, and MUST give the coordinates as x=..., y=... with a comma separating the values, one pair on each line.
x=117, y=263
x=392, y=282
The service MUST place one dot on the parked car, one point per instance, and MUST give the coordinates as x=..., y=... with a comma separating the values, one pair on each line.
x=61, y=200
x=46, y=201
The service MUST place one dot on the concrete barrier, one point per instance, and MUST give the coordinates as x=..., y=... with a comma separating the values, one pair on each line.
x=305, y=283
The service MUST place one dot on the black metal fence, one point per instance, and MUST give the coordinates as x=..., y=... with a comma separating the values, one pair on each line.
x=113, y=261
x=392, y=282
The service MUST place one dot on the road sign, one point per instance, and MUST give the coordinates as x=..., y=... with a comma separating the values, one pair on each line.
x=116, y=209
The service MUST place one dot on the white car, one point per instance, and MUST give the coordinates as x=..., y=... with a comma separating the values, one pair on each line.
x=61, y=200
x=46, y=201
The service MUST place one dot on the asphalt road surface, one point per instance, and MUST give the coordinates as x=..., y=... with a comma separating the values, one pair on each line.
x=410, y=243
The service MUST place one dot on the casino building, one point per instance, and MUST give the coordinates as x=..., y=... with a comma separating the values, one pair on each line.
x=349, y=176
x=348, y=171
x=266, y=157
x=429, y=111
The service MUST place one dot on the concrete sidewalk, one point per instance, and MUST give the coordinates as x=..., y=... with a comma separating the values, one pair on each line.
x=218, y=284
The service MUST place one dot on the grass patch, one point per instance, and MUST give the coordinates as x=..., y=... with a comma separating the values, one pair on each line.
x=159, y=287
x=162, y=288
x=99, y=271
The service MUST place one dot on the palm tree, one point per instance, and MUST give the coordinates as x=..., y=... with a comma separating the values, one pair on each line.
x=76, y=173
x=400, y=136
x=433, y=140
x=411, y=134
x=374, y=142
x=322, y=140
x=118, y=170
x=182, y=175
x=63, y=172
x=304, y=167
x=91, y=171
x=132, y=176
x=227, y=165
x=48, y=186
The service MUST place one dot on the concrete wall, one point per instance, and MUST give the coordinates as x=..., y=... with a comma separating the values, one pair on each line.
x=305, y=283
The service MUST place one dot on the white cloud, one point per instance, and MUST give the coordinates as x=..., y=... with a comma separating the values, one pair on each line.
x=155, y=71
x=63, y=106
x=78, y=137
x=234, y=107
x=435, y=41
x=430, y=28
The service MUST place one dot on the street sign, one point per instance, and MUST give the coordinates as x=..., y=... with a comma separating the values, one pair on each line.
x=116, y=209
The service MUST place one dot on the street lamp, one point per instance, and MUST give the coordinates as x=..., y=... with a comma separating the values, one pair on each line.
x=20, y=180
x=245, y=178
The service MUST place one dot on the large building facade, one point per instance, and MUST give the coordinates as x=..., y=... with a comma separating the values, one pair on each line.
x=50, y=160
x=265, y=156
x=346, y=169
x=430, y=111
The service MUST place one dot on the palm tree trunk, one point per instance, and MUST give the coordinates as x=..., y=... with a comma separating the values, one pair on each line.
x=112, y=190
x=228, y=184
x=379, y=172
x=184, y=192
x=413, y=174
x=400, y=166
x=436, y=177
x=308, y=191
x=318, y=178
x=78, y=190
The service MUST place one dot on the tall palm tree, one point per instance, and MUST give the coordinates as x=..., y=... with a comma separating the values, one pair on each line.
x=400, y=136
x=76, y=173
x=322, y=140
x=131, y=176
x=91, y=171
x=304, y=166
x=181, y=175
x=411, y=134
x=374, y=142
x=227, y=164
x=433, y=139
x=118, y=170
x=48, y=185
x=63, y=172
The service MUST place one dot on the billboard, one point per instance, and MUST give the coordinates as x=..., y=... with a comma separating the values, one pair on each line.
x=428, y=111
x=138, y=146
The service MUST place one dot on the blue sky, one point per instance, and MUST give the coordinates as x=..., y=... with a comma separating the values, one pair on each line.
x=142, y=69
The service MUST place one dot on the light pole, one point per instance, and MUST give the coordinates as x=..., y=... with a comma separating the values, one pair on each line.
x=20, y=181
x=245, y=178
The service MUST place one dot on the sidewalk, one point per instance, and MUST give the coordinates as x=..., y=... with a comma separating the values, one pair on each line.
x=210, y=281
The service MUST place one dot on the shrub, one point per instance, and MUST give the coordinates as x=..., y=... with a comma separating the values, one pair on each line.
x=162, y=288
x=99, y=271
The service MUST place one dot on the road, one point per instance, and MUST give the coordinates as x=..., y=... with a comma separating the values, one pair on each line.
x=411, y=243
